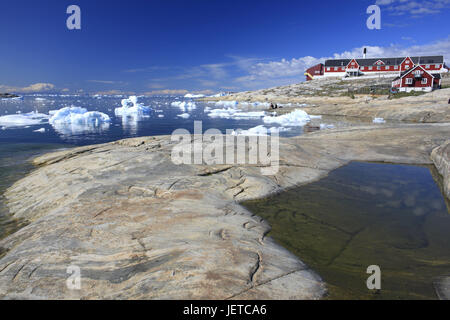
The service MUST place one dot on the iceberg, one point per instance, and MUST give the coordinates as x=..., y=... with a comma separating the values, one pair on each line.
x=226, y=104
x=131, y=107
x=23, y=120
x=189, y=106
x=295, y=118
x=190, y=95
x=76, y=120
x=77, y=115
x=231, y=113
x=41, y=130
x=184, y=115
x=255, y=104
x=260, y=130
x=379, y=120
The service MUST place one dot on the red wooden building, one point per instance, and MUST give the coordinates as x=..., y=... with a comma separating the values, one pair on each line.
x=417, y=79
x=380, y=66
x=314, y=72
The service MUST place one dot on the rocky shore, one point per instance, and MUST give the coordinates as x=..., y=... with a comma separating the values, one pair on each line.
x=431, y=107
x=140, y=227
x=7, y=96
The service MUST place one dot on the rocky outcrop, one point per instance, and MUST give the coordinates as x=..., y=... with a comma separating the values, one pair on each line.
x=441, y=159
x=140, y=227
x=428, y=108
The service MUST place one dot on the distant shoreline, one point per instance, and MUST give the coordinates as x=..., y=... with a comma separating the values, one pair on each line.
x=8, y=96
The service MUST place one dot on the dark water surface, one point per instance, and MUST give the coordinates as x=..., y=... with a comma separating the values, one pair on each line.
x=363, y=214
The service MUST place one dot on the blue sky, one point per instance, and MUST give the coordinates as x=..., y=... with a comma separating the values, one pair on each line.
x=169, y=46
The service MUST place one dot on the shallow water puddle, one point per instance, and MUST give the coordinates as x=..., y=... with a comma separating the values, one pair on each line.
x=363, y=214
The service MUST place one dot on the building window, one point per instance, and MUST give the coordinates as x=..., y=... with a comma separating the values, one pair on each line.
x=409, y=81
x=370, y=68
x=424, y=81
x=328, y=69
x=396, y=67
x=378, y=68
x=438, y=66
x=427, y=66
x=335, y=68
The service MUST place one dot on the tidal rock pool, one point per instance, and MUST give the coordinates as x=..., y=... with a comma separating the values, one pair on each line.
x=364, y=214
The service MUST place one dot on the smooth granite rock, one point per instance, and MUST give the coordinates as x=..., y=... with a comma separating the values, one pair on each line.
x=141, y=227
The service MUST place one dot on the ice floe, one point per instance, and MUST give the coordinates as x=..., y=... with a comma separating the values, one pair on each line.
x=295, y=118
x=229, y=104
x=260, y=130
x=41, y=130
x=190, y=95
x=183, y=105
x=78, y=115
x=76, y=120
x=379, y=120
x=22, y=120
x=131, y=107
x=184, y=115
x=231, y=113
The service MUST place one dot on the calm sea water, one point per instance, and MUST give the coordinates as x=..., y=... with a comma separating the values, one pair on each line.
x=119, y=128
x=364, y=214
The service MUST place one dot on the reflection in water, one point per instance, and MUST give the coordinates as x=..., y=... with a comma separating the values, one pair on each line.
x=66, y=130
x=363, y=214
x=130, y=123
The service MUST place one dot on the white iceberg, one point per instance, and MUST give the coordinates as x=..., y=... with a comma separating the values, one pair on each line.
x=131, y=107
x=231, y=113
x=260, y=130
x=184, y=115
x=183, y=105
x=78, y=115
x=255, y=104
x=75, y=120
x=23, y=120
x=295, y=118
x=192, y=96
x=41, y=130
x=379, y=120
x=226, y=104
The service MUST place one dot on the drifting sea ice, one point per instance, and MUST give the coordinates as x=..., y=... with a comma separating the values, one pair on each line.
x=41, y=130
x=23, y=120
x=184, y=115
x=189, y=106
x=379, y=120
x=131, y=107
x=190, y=95
x=295, y=118
x=231, y=113
x=231, y=104
x=260, y=130
x=70, y=121
x=77, y=115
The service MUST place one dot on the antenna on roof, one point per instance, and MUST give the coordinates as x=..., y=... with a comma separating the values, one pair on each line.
x=364, y=53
